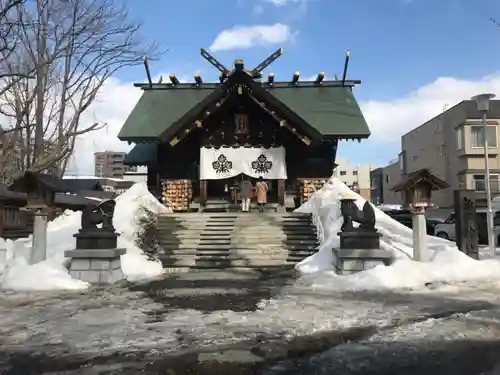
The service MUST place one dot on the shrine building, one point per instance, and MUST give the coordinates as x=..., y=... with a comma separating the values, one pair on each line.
x=198, y=139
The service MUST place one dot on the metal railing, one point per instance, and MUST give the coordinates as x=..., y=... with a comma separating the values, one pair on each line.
x=480, y=185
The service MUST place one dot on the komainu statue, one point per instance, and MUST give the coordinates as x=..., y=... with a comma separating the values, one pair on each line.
x=94, y=215
x=351, y=213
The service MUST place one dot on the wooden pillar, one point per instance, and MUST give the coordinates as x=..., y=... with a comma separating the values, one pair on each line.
x=281, y=192
x=203, y=192
x=159, y=191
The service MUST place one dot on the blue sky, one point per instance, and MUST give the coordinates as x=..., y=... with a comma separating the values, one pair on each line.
x=398, y=47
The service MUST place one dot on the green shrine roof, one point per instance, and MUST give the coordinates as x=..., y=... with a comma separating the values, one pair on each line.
x=326, y=108
x=156, y=110
x=330, y=109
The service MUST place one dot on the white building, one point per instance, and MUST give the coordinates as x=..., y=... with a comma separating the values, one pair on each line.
x=356, y=176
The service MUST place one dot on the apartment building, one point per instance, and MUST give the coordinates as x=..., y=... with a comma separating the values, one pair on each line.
x=356, y=176
x=450, y=146
x=382, y=180
x=111, y=164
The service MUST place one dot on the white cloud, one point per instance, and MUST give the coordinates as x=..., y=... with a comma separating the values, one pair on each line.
x=388, y=120
x=244, y=37
x=282, y=3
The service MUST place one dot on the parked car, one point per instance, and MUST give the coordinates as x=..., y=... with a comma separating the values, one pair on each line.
x=446, y=229
x=405, y=217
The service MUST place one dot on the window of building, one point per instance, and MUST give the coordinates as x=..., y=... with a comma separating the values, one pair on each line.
x=402, y=166
x=415, y=158
x=479, y=182
x=343, y=173
x=354, y=173
x=460, y=142
x=386, y=179
x=477, y=139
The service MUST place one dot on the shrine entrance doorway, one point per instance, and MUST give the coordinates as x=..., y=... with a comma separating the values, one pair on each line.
x=223, y=169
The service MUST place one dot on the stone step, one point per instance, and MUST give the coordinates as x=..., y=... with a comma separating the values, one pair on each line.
x=195, y=214
x=208, y=258
x=263, y=235
x=240, y=252
x=267, y=269
x=208, y=217
x=235, y=246
x=226, y=263
x=180, y=246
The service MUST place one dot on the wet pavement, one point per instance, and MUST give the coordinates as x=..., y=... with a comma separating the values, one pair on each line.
x=203, y=323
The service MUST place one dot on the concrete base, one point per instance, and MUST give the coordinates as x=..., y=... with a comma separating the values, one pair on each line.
x=97, y=267
x=359, y=240
x=96, y=239
x=349, y=261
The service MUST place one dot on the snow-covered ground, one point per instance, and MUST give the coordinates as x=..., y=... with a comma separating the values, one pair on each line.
x=16, y=274
x=398, y=302
x=448, y=263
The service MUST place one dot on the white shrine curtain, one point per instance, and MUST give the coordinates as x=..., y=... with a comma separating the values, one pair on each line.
x=216, y=164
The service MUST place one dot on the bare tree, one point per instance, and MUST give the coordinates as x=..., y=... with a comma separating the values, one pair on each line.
x=70, y=47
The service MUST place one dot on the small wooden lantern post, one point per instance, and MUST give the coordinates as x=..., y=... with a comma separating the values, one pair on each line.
x=40, y=192
x=417, y=190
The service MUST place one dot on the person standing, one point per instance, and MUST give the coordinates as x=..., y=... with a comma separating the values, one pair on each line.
x=246, y=192
x=261, y=188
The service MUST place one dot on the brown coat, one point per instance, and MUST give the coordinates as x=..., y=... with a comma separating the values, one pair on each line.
x=261, y=189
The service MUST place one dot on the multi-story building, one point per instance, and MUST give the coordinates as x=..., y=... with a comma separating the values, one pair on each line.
x=356, y=176
x=450, y=146
x=382, y=180
x=111, y=164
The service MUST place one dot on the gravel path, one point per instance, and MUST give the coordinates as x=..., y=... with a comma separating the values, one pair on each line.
x=203, y=322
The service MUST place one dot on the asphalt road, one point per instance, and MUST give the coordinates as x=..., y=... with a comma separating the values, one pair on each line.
x=208, y=323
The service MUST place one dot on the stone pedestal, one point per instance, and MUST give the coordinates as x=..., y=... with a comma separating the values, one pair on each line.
x=421, y=252
x=96, y=259
x=39, y=242
x=359, y=240
x=96, y=239
x=96, y=266
x=349, y=261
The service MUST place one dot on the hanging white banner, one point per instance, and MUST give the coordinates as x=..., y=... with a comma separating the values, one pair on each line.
x=217, y=164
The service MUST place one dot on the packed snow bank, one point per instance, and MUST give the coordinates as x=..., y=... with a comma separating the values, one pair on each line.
x=43, y=276
x=448, y=263
x=406, y=274
x=52, y=273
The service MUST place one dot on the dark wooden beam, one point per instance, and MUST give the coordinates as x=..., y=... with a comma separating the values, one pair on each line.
x=198, y=123
x=282, y=122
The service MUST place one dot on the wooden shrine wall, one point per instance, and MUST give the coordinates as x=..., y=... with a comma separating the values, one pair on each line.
x=229, y=129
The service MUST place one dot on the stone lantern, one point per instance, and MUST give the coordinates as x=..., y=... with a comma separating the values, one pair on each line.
x=417, y=190
x=40, y=190
x=419, y=195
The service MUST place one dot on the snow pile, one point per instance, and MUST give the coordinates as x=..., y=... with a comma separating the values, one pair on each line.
x=52, y=274
x=448, y=263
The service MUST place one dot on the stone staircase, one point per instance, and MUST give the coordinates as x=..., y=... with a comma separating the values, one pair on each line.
x=236, y=240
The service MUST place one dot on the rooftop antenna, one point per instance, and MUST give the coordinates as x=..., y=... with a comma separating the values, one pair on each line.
x=212, y=60
x=257, y=71
x=148, y=72
x=346, y=64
